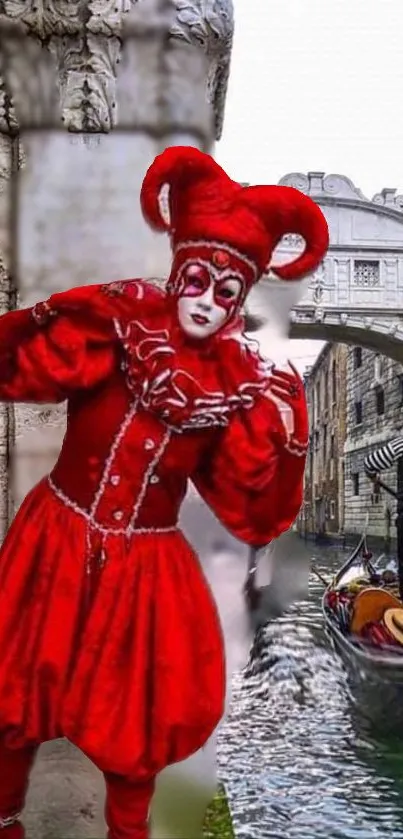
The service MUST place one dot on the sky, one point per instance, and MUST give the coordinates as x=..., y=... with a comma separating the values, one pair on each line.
x=316, y=85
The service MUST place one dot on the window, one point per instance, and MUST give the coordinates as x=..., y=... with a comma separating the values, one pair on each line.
x=332, y=510
x=332, y=450
x=334, y=382
x=377, y=368
x=400, y=390
x=376, y=493
x=366, y=273
x=326, y=391
x=380, y=401
x=358, y=413
x=356, y=483
x=357, y=357
x=317, y=400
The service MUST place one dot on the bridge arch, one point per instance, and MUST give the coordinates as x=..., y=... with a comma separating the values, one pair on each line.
x=378, y=335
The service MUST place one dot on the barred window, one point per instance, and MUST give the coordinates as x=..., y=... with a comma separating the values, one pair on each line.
x=366, y=273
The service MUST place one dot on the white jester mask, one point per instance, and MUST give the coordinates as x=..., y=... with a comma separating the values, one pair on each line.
x=208, y=297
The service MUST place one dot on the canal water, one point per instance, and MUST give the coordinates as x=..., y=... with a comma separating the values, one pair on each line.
x=297, y=759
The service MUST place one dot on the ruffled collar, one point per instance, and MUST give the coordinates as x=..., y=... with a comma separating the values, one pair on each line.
x=189, y=385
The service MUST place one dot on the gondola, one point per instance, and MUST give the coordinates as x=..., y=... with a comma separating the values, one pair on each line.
x=371, y=650
x=362, y=609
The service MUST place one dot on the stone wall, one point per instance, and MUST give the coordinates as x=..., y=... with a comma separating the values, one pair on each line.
x=341, y=355
x=9, y=161
x=323, y=509
x=373, y=383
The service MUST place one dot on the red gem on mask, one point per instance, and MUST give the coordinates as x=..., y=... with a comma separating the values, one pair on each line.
x=220, y=259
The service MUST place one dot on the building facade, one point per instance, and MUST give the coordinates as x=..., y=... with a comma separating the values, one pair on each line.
x=322, y=513
x=355, y=405
x=374, y=415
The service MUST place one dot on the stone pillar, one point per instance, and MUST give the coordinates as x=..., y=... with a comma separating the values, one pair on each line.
x=155, y=72
x=9, y=162
x=99, y=87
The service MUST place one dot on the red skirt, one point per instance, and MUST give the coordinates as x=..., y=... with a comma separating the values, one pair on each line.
x=129, y=667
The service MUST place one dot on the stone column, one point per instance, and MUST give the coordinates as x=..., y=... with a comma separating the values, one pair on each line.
x=9, y=162
x=155, y=72
x=99, y=87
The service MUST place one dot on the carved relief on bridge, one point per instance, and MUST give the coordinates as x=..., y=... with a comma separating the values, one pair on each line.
x=318, y=184
x=360, y=283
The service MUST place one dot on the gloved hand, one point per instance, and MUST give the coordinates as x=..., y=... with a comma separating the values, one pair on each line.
x=288, y=388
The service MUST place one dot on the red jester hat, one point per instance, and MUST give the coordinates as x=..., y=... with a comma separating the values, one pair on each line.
x=220, y=230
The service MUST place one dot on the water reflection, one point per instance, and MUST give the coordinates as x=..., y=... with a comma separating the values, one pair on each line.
x=298, y=761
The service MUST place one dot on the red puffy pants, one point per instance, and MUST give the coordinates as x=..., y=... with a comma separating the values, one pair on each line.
x=127, y=801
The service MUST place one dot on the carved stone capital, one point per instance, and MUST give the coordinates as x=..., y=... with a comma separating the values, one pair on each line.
x=46, y=18
x=210, y=25
x=93, y=65
x=318, y=283
x=8, y=118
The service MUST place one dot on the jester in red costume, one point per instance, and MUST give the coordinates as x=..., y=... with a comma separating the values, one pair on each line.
x=109, y=635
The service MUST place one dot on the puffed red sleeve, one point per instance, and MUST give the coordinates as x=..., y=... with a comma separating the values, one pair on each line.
x=55, y=348
x=253, y=477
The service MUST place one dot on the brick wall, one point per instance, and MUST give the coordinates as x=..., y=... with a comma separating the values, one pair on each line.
x=323, y=511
